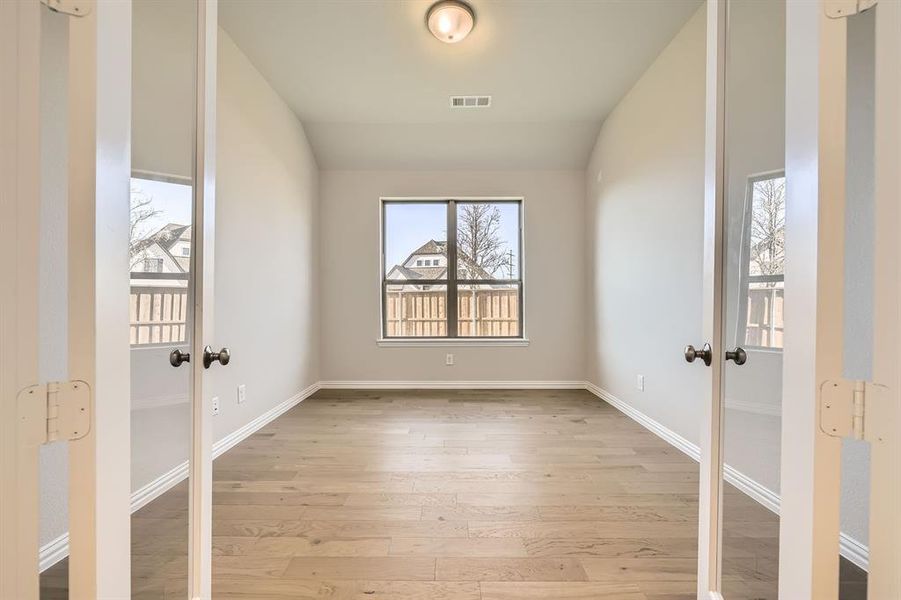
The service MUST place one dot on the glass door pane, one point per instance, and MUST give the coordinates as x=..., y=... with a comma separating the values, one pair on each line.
x=161, y=249
x=753, y=296
x=859, y=293
x=53, y=306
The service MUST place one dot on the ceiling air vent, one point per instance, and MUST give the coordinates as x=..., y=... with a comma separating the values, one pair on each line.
x=470, y=101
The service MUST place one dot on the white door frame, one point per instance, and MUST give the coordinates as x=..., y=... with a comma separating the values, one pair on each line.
x=20, y=27
x=816, y=84
x=99, y=159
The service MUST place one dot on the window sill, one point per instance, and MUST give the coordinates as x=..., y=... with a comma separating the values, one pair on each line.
x=439, y=343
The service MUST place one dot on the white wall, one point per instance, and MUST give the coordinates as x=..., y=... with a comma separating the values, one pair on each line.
x=644, y=219
x=266, y=265
x=266, y=246
x=554, y=272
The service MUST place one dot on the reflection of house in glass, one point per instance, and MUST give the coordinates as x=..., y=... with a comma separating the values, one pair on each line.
x=416, y=297
x=160, y=264
x=166, y=251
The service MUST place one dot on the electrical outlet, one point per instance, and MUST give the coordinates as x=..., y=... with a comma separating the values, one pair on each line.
x=215, y=405
x=639, y=383
x=242, y=393
x=449, y=359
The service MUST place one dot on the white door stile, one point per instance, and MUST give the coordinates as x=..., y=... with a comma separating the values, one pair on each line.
x=816, y=63
x=20, y=35
x=202, y=266
x=885, y=453
x=99, y=160
x=711, y=456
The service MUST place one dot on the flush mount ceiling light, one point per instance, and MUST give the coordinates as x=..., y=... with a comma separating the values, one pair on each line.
x=450, y=20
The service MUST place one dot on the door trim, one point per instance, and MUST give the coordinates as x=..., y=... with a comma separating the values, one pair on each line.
x=20, y=40
x=99, y=158
x=711, y=452
x=816, y=84
x=202, y=267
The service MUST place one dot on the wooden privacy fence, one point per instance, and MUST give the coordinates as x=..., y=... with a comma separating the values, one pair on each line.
x=766, y=324
x=158, y=315
x=480, y=313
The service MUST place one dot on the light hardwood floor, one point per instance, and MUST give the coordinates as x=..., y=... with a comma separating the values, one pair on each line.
x=463, y=495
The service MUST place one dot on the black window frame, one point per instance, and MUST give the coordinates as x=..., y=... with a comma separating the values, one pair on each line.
x=452, y=282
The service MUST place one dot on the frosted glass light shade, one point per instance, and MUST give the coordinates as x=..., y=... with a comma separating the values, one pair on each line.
x=450, y=21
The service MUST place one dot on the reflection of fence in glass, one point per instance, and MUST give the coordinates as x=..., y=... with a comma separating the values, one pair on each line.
x=765, y=325
x=158, y=308
x=483, y=312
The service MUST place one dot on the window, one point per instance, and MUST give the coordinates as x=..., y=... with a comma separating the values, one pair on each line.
x=764, y=265
x=477, y=293
x=160, y=227
x=153, y=265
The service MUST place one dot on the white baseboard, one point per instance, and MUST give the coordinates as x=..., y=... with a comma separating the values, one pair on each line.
x=850, y=548
x=242, y=433
x=146, y=494
x=452, y=385
x=53, y=551
x=664, y=433
x=759, y=408
x=854, y=551
x=58, y=549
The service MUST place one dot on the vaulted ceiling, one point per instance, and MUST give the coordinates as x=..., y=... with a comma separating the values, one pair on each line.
x=372, y=86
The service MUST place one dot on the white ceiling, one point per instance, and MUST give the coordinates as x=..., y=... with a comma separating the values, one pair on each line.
x=371, y=84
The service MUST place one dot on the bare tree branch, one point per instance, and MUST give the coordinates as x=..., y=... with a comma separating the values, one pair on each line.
x=480, y=245
x=141, y=212
x=768, y=227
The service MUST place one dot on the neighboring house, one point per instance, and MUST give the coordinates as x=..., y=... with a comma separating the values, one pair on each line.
x=429, y=261
x=166, y=251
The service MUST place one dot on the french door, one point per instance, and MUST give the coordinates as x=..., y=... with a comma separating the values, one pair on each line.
x=108, y=171
x=800, y=459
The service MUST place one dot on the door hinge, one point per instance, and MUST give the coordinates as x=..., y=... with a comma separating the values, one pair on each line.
x=839, y=9
x=59, y=410
x=75, y=8
x=855, y=409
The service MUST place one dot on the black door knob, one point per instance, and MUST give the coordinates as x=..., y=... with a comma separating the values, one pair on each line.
x=176, y=357
x=738, y=356
x=705, y=354
x=209, y=357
